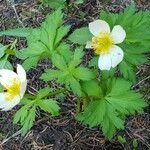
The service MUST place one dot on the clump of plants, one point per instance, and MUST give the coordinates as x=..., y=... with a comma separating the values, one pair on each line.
x=102, y=88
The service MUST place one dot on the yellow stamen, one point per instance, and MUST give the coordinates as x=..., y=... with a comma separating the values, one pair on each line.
x=12, y=90
x=102, y=43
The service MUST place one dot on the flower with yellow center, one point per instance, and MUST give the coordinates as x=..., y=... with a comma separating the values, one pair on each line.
x=14, y=87
x=104, y=43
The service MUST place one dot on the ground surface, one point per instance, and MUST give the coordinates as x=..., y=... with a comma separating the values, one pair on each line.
x=64, y=133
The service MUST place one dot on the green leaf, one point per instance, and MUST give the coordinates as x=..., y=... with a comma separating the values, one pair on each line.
x=111, y=122
x=2, y=50
x=125, y=100
x=93, y=115
x=28, y=122
x=55, y=4
x=49, y=106
x=64, y=50
x=50, y=26
x=91, y=88
x=83, y=73
x=34, y=36
x=25, y=116
x=81, y=36
x=20, y=32
x=109, y=110
x=59, y=62
x=128, y=71
x=30, y=62
x=50, y=75
x=33, y=54
x=94, y=62
x=75, y=86
x=43, y=92
x=77, y=58
x=5, y=64
x=121, y=140
x=20, y=115
x=135, y=143
x=35, y=49
x=45, y=41
x=61, y=32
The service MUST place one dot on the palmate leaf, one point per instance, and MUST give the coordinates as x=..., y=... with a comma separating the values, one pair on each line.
x=43, y=92
x=69, y=73
x=26, y=115
x=20, y=32
x=77, y=57
x=110, y=110
x=84, y=74
x=49, y=106
x=80, y=36
x=92, y=88
x=28, y=122
x=136, y=25
x=44, y=41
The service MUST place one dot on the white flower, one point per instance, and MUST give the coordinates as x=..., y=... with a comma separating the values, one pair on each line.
x=104, y=43
x=14, y=87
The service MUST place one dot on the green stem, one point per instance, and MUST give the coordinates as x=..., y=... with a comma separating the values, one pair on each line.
x=78, y=106
x=56, y=92
x=84, y=103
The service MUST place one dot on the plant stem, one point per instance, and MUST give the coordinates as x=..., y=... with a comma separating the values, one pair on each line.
x=78, y=105
x=56, y=92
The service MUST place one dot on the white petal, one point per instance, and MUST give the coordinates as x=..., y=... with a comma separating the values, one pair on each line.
x=23, y=88
x=88, y=44
x=8, y=105
x=118, y=34
x=116, y=55
x=21, y=73
x=6, y=76
x=98, y=26
x=104, y=62
x=22, y=76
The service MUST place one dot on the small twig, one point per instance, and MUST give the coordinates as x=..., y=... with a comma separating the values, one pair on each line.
x=17, y=16
x=12, y=136
x=141, y=81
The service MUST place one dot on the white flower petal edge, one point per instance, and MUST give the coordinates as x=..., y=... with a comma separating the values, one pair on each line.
x=104, y=62
x=116, y=54
x=22, y=76
x=118, y=34
x=88, y=44
x=98, y=26
x=21, y=73
x=6, y=76
x=8, y=105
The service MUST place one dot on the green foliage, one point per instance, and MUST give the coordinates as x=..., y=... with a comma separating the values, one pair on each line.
x=106, y=100
x=92, y=88
x=136, y=25
x=55, y=4
x=5, y=52
x=20, y=32
x=69, y=73
x=109, y=110
x=81, y=36
x=135, y=144
x=45, y=40
x=26, y=115
x=121, y=140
